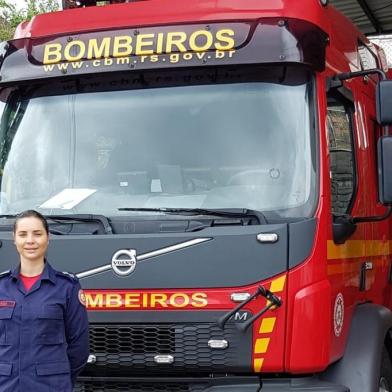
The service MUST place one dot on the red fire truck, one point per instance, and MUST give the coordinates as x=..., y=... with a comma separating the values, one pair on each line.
x=218, y=174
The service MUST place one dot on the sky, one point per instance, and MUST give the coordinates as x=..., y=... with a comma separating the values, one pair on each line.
x=19, y=3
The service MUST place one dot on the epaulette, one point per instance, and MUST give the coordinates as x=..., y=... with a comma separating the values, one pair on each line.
x=68, y=275
x=5, y=273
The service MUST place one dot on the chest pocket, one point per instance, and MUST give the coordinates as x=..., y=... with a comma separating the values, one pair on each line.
x=5, y=323
x=50, y=326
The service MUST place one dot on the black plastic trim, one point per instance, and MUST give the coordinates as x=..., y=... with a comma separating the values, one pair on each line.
x=173, y=316
x=359, y=369
x=235, y=384
x=301, y=240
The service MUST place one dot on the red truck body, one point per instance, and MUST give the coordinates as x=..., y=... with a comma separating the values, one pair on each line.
x=326, y=296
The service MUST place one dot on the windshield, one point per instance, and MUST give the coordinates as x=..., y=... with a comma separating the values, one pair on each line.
x=234, y=141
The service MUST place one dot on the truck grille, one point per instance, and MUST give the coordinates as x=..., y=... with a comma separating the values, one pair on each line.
x=117, y=339
x=130, y=349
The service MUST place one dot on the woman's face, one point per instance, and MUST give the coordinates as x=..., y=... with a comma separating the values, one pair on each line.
x=31, y=239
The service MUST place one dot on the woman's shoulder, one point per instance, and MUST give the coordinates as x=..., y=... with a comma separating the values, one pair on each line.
x=3, y=274
x=65, y=275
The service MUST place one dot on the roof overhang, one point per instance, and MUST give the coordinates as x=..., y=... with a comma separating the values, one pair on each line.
x=372, y=17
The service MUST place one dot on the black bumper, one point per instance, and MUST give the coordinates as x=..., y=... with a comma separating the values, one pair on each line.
x=203, y=384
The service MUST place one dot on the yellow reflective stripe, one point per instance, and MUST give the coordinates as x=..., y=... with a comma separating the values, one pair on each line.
x=358, y=248
x=277, y=285
x=258, y=364
x=267, y=325
x=261, y=345
x=379, y=248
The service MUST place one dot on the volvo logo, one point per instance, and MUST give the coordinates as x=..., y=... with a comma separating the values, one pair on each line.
x=124, y=262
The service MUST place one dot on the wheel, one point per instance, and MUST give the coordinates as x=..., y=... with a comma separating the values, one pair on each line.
x=385, y=383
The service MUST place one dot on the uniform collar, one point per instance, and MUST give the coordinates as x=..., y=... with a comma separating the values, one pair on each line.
x=47, y=274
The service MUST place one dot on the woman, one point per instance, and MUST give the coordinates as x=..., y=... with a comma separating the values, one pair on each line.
x=43, y=324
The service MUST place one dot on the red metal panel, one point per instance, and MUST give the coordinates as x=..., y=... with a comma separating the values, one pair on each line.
x=161, y=12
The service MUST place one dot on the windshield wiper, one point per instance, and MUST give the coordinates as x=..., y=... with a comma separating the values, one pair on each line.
x=103, y=220
x=225, y=213
x=86, y=218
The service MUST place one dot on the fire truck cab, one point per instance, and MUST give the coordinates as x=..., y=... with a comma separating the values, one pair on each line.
x=218, y=175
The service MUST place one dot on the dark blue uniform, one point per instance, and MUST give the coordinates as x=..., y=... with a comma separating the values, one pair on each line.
x=43, y=333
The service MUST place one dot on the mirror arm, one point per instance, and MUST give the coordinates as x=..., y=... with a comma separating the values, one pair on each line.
x=350, y=75
x=336, y=80
x=344, y=225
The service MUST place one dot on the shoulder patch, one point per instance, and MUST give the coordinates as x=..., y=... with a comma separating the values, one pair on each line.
x=5, y=273
x=82, y=297
x=68, y=275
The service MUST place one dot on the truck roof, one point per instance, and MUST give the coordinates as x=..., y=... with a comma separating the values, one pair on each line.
x=161, y=12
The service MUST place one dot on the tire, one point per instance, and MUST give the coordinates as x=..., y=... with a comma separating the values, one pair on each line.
x=385, y=383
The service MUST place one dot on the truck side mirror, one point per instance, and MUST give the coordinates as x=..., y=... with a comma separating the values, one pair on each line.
x=342, y=228
x=384, y=102
x=384, y=155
